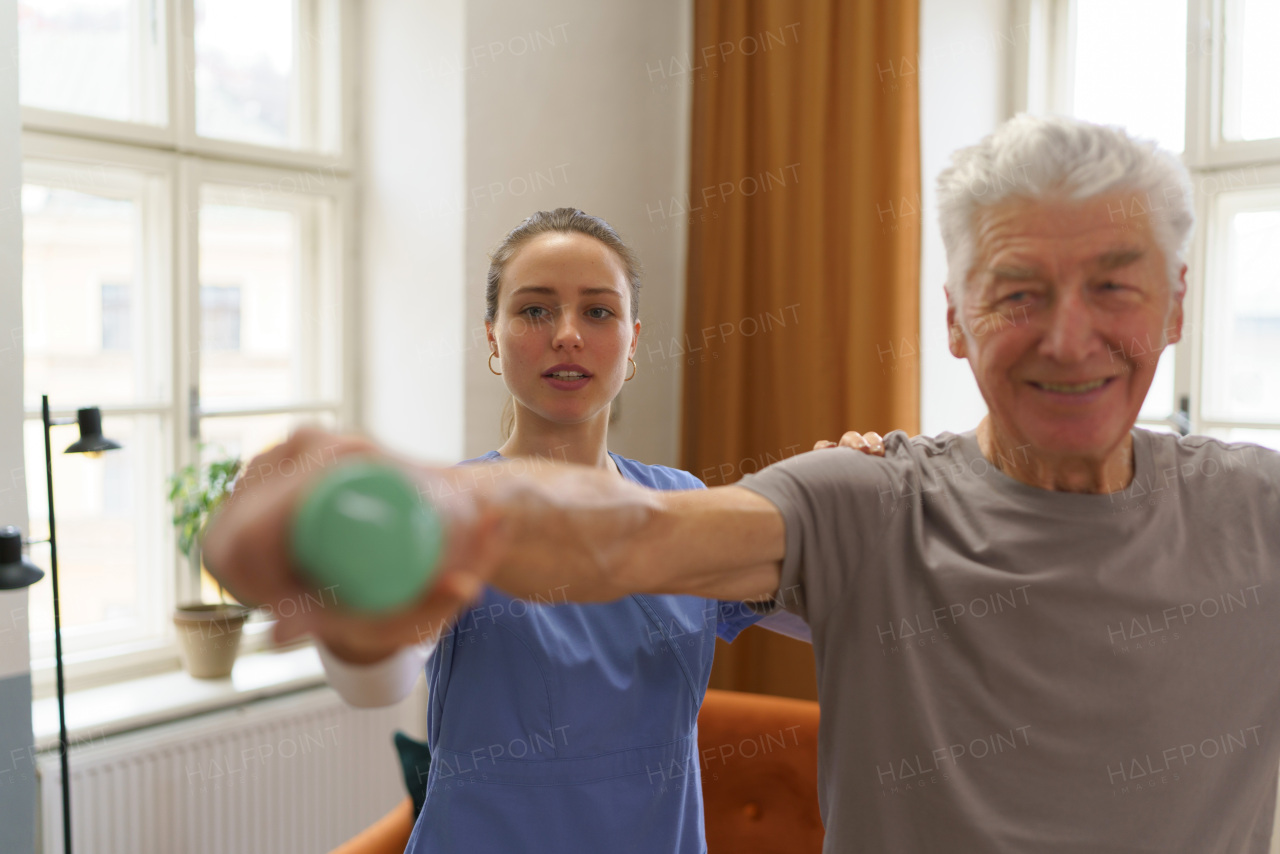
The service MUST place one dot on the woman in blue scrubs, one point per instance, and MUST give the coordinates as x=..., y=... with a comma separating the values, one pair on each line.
x=562, y=727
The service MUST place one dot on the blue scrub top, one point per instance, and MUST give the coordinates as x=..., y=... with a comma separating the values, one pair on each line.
x=570, y=728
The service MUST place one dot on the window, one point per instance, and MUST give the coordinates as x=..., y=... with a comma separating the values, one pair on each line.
x=1206, y=71
x=186, y=268
x=117, y=317
x=100, y=58
x=219, y=317
x=271, y=83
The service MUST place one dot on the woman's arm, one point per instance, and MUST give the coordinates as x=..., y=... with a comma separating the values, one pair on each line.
x=368, y=685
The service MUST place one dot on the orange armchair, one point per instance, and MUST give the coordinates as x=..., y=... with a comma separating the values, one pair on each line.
x=759, y=761
x=759, y=758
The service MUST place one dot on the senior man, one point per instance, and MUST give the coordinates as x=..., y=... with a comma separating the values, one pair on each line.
x=1053, y=633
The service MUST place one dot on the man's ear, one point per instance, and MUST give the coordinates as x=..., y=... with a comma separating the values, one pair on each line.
x=955, y=333
x=1173, y=328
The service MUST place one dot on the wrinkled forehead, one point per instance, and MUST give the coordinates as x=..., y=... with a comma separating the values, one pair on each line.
x=1054, y=236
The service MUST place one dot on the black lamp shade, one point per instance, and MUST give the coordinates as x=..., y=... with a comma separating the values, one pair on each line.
x=91, y=440
x=15, y=570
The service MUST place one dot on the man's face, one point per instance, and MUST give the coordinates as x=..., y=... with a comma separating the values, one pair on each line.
x=1066, y=312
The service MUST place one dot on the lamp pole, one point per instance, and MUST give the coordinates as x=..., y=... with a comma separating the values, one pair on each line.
x=17, y=572
x=57, y=635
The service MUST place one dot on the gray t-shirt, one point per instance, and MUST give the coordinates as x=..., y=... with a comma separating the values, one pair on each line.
x=1009, y=669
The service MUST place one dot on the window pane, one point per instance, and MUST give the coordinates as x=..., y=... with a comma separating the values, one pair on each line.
x=91, y=308
x=1242, y=307
x=95, y=57
x=1160, y=403
x=245, y=437
x=269, y=318
x=246, y=76
x=1158, y=427
x=220, y=317
x=1265, y=438
x=1139, y=83
x=1251, y=109
x=117, y=316
x=112, y=521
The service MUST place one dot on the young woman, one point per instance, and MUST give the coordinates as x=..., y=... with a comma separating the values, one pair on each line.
x=552, y=726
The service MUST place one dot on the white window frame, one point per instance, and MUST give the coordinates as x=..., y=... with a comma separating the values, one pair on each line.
x=184, y=161
x=1040, y=82
x=80, y=153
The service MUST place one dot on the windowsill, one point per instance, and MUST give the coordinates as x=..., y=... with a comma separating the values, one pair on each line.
x=95, y=713
x=115, y=661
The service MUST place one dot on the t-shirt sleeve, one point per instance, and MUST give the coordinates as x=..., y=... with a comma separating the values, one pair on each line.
x=831, y=504
x=1271, y=470
x=1271, y=490
x=732, y=618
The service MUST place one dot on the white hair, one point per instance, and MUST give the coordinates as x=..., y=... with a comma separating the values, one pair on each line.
x=1043, y=157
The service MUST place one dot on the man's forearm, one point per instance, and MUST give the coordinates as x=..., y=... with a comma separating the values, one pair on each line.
x=585, y=535
x=568, y=528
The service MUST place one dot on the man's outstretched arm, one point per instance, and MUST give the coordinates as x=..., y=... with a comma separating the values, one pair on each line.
x=600, y=538
x=531, y=528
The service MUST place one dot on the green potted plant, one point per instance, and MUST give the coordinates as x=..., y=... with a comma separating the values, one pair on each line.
x=208, y=633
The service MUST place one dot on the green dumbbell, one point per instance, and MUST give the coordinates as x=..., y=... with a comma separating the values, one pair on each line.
x=364, y=531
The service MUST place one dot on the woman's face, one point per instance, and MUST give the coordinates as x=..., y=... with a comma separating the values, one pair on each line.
x=563, y=330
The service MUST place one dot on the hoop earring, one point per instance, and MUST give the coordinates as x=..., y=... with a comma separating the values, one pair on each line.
x=491, y=370
x=633, y=370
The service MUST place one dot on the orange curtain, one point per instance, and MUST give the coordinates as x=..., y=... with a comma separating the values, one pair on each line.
x=802, y=311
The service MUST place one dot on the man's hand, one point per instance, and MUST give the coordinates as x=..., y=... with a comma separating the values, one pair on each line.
x=247, y=549
x=868, y=443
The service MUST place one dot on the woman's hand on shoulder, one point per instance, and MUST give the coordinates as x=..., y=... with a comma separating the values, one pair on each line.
x=868, y=443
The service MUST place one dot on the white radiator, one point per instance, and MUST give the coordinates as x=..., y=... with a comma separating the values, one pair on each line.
x=298, y=774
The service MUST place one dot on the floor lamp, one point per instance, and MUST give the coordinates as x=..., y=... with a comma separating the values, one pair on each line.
x=16, y=571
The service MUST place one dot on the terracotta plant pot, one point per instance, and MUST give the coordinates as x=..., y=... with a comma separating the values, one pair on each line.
x=209, y=637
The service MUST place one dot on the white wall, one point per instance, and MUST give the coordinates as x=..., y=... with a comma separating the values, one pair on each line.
x=471, y=119
x=14, y=653
x=565, y=89
x=17, y=775
x=412, y=166
x=965, y=53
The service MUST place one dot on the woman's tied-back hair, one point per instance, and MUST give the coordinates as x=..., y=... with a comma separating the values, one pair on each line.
x=1052, y=157
x=563, y=221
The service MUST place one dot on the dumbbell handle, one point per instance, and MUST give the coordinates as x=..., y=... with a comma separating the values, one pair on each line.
x=365, y=532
